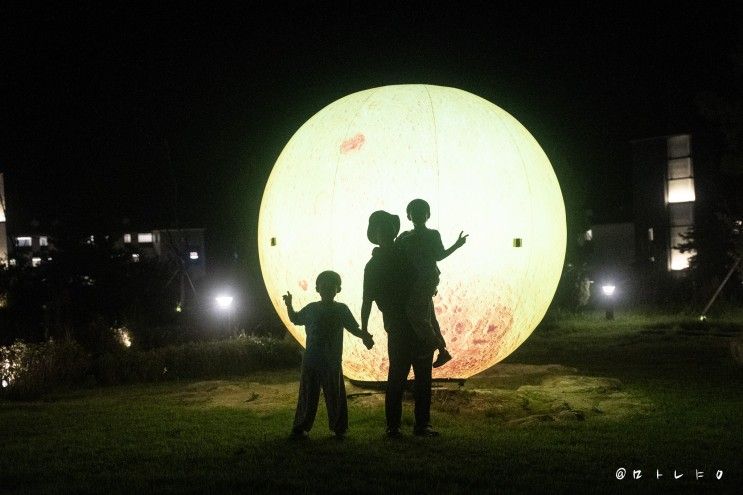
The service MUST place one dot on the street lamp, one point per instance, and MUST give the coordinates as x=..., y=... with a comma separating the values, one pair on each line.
x=608, y=290
x=224, y=305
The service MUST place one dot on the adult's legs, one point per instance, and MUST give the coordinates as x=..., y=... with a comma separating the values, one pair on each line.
x=309, y=396
x=334, y=390
x=399, y=356
x=422, y=390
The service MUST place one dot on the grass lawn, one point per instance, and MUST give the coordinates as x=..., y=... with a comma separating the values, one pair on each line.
x=577, y=401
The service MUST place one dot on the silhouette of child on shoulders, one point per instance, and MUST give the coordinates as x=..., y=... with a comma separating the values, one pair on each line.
x=423, y=248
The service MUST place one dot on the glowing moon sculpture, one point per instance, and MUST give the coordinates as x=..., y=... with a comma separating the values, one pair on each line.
x=481, y=172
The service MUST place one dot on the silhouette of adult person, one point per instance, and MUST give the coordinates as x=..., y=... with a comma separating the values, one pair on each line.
x=387, y=282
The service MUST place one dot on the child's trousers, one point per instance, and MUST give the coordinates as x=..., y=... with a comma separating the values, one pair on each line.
x=419, y=310
x=330, y=379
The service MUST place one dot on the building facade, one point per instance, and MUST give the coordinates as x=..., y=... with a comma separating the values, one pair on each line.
x=3, y=230
x=664, y=201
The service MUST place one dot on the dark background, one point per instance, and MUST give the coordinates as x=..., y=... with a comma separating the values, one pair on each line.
x=170, y=114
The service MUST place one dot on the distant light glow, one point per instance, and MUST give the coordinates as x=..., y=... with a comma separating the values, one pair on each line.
x=223, y=301
x=144, y=237
x=127, y=238
x=43, y=241
x=480, y=170
x=124, y=336
x=135, y=257
x=178, y=308
x=35, y=261
x=193, y=255
x=608, y=289
x=23, y=241
x=5, y=383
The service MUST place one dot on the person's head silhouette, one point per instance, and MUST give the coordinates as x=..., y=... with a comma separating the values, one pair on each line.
x=328, y=284
x=418, y=211
x=383, y=228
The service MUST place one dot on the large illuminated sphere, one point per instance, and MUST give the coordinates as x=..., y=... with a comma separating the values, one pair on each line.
x=481, y=172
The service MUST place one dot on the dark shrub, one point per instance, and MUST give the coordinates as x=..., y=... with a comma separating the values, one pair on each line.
x=30, y=370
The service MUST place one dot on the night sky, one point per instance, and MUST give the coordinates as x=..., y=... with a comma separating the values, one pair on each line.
x=158, y=113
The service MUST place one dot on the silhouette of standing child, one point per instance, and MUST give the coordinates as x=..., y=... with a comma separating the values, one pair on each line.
x=324, y=322
x=423, y=248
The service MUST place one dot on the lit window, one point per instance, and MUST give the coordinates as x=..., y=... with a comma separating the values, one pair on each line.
x=679, y=260
x=679, y=146
x=144, y=237
x=43, y=241
x=23, y=241
x=193, y=255
x=135, y=257
x=588, y=235
x=681, y=214
x=127, y=238
x=35, y=261
x=651, y=234
x=681, y=190
x=679, y=168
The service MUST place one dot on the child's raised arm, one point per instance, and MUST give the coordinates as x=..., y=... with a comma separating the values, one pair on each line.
x=457, y=244
x=294, y=317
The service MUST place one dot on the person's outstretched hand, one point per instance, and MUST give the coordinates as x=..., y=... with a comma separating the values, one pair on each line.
x=461, y=240
x=368, y=340
x=287, y=298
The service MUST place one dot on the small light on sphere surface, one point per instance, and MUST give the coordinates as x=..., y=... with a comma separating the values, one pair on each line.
x=223, y=302
x=608, y=289
x=479, y=169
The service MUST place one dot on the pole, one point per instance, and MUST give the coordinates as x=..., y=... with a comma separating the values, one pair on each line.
x=719, y=289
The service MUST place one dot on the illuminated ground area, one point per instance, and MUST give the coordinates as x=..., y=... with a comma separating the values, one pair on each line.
x=514, y=394
x=572, y=405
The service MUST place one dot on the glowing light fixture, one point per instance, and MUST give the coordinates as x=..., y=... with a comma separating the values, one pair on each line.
x=608, y=289
x=224, y=302
x=193, y=255
x=5, y=383
x=481, y=171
